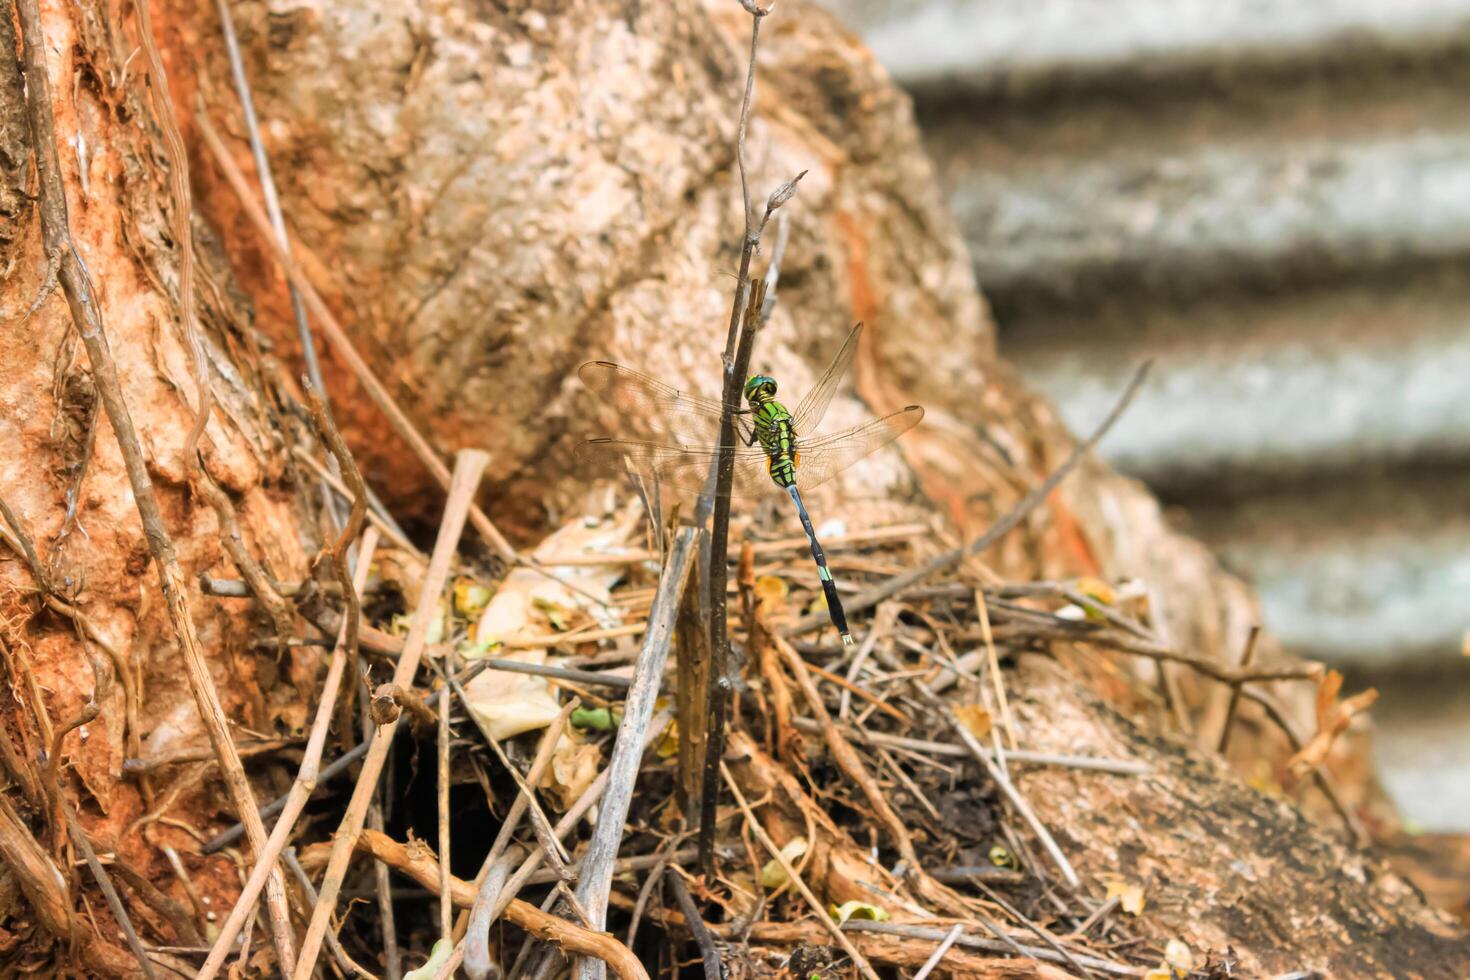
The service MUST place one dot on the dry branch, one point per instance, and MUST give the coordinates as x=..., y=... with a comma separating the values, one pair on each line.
x=419, y=863
x=622, y=768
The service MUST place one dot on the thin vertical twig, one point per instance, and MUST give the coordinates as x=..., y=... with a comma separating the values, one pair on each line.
x=468, y=466
x=1248, y=655
x=336, y=446
x=719, y=672
x=735, y=361
x=446, y=903
x=993, y=660
x=87, y=316
x=627, y=755
x=268, y=191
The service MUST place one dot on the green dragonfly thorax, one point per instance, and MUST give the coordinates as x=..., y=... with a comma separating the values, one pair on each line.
x=771, y=425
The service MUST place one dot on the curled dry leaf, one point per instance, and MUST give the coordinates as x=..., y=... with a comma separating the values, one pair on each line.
x=771, y=591
x=573, y=766
x=1333, y=718
x=857, y=910
x=773, y=875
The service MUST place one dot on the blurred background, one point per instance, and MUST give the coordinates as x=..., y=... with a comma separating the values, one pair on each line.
x=1271, y=199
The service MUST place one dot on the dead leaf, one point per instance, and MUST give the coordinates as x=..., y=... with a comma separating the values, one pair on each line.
x=1333, y=718
x=1128, y=893
x=1177, y=954
x=974, y=718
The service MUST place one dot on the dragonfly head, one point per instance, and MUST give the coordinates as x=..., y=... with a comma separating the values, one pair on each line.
x=760, y=388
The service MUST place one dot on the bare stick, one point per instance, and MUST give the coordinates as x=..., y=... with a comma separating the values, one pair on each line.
x=943, y=948
x=477, y=937
x=87, y=315
x=871, y=597
x=468, y=467
x=858, y=959
x=1121, y=767
x=305, y=783
x=602, y=851
x=108, y=892
x=708, y=954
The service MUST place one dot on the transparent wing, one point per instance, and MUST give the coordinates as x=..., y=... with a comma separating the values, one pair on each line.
x=825, y=456
x=652, y=406
x=687, y=467
x=681, y=467
x=808, y=414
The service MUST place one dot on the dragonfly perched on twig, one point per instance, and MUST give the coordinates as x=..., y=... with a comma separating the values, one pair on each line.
x=776, y=446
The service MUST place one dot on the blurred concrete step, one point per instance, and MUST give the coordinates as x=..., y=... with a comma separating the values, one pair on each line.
x=1365, y=572
x=1004, y=45
x=1249, y=392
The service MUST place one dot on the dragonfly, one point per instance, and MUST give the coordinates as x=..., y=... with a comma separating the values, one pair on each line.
x=776, y=447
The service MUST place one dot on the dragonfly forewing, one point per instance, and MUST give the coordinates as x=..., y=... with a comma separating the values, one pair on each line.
x=651, y=406
x=679, y=467
x=813, y=407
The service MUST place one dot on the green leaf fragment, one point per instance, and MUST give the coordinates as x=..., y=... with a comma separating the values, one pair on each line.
x=597, y=719
x=438, y=956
